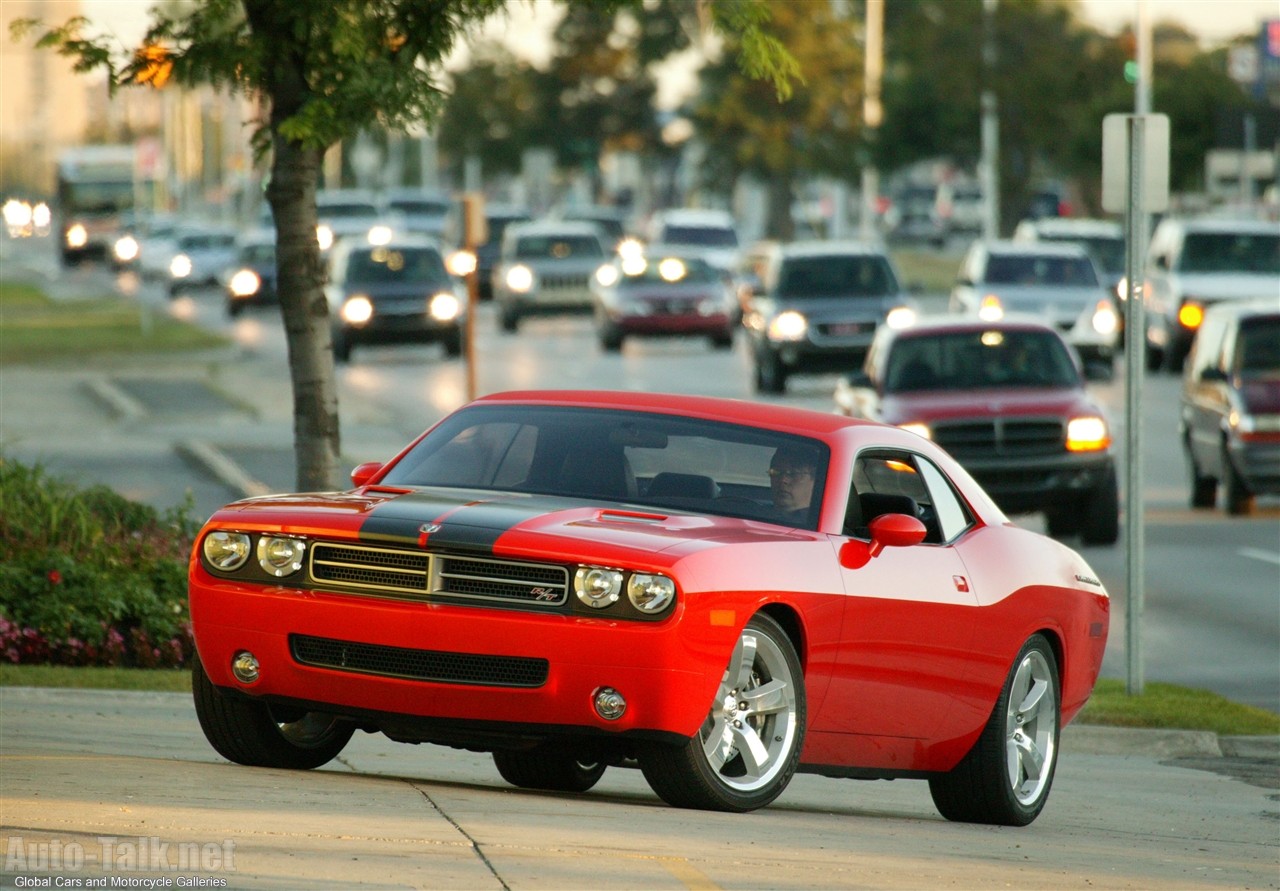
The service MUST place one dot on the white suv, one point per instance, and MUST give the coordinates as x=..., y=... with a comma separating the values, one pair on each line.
x=1194, y=263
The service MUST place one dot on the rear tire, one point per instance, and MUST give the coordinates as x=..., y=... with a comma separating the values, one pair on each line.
x=1005, y=778
x=748, y=748
x=256, y=734
x=542, y=767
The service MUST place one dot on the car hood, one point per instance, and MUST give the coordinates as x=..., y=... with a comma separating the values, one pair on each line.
x=393, y=290
x=544, y=527
x=1227, y=285
x=832, y=309
x=939, y=405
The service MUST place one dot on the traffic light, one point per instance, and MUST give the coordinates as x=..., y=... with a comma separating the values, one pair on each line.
x=1131, y=71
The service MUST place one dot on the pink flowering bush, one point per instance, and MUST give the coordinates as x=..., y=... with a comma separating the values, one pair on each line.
x=89, y=577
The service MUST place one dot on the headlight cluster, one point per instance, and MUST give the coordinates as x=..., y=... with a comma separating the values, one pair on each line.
x=1105, y=319
x=789, y=325
x=599, y=587
x=180, y=266
x=278, y=555
x=245, y=283
x=1087, y=433
x=520, y=279
x=125, y=249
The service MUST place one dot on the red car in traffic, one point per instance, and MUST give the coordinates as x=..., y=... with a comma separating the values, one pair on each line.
x=717, y=591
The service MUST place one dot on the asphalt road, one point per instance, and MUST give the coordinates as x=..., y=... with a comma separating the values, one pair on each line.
x=126, y=782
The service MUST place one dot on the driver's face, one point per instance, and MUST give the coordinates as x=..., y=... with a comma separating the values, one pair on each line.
x=792, y=486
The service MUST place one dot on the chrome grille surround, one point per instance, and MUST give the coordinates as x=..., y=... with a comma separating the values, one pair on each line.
x=406, y=572
x=1001, y=437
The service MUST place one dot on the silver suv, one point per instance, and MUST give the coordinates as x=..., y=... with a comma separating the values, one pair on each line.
x=1192, y=264
x=546, y=267
x=817, y=306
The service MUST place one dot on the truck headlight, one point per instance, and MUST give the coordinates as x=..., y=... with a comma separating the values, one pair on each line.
x=357, y=310
x=788, y=325
x=520, y=279
x=445, y=307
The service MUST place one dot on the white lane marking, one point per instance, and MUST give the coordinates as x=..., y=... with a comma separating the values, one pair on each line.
x=1265, y=556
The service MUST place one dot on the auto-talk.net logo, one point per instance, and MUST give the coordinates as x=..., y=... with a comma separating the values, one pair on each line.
x=112, y=863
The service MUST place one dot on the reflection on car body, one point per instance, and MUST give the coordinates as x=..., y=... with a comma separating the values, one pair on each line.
x=576, y=580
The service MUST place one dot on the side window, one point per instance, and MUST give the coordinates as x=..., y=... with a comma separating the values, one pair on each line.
x=892, y=481
x=950, y=512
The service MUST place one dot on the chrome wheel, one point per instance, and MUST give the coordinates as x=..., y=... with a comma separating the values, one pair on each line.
x=1031, y=728
x=748, y=748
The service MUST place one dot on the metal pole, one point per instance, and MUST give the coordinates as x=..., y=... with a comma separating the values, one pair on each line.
x=988, y=178
x=872, y=113
x=1134, y=354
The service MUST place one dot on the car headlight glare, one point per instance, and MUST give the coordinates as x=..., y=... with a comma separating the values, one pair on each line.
x=1105, y=319
x=597, y=586
x=918, y=428
x=649, y=592
x=900, y=317
x=126, y=248
x=324, y=236
x=380, y=235
x=245, y=283
x=607, y=276
x=991, y=309
x=357, y=310
x=77, y=236
x=1190, y=315
x=520, y=279
x=461, y=263
x=1087, y=434
x=180, y=266
x=788, y=325
x=281, y=556
x=444, y=307
x=226, y=551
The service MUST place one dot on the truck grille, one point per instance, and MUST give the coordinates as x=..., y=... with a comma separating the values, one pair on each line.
x=402, y=571
x=1001, y=437
x=420, y=665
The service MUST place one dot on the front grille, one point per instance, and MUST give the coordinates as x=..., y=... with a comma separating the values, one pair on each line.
x=1001, y=437
x=402, y=571
x=564, y=282
x=392, y=570
x=420, y=665
x=502, y=580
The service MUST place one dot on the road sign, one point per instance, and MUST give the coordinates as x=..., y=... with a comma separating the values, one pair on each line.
x=1153, y=163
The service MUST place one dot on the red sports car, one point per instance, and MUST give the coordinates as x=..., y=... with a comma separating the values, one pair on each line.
x=721, y=592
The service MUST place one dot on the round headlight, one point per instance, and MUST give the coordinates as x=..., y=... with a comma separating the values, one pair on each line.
x=281, y=556
x=607, y=276
x=180, y=266
x=77, y=236
x=520, y=278
x=650, y=593
x=461, y=263
x=900, y=317
x=357, y=310
x=379, y=235
x=126, y=248
x=596, y=586
x=445, y=307
x=324, y=236
x=227, y=551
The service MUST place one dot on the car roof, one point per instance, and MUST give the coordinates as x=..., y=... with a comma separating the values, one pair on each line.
x=695, y=216
x=1076, y=226
x=1034, y=248
x=821, y=248
x=735, y=411
x=1223, y=224
x=553, y=227
x=1261, y=307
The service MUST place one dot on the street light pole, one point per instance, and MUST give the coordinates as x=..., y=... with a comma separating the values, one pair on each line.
x=872, y=113
x=988, y=176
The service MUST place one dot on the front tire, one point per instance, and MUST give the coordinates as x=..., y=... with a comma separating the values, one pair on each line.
x=748, y=748
x=256, y=734
x=1236, y=495
x=1100, y=515
x=771, y=376
x=1005, y=778
x=544, y=768
x=1204, y=489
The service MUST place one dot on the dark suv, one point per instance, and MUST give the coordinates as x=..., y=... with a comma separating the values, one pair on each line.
x=1230, y=419
x=817, y=306
x=1008, y=400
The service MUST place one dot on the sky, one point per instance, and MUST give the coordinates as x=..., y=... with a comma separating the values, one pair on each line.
x=1211, y=20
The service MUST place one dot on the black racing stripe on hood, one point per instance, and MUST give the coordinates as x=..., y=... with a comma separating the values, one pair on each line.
x=469, y=524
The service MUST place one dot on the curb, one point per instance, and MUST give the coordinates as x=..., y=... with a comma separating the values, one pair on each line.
x=213, y=461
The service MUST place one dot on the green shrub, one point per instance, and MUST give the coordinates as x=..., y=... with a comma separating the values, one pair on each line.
x=90, y=577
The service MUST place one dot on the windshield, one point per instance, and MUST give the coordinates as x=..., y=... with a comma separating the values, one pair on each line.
x=558, y=247
x=204, y=241
x=1030, y=269
x=345, y=211
x=1259, y=352
x=386, y=265
x=836, y=276
x=1107, y=252
x=972, y=360
x=96, y=197
x=702, y=236
x=595, y=455
x=420, y=208
x=1230, y=252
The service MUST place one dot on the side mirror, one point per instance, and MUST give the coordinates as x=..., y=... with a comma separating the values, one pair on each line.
x=365, y=472
x=887, y=530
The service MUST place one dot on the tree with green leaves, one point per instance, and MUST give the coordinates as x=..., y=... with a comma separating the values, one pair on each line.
x=325, y=71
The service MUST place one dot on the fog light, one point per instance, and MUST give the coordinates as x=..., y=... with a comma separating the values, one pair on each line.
x=609, y=703
x=245, y=667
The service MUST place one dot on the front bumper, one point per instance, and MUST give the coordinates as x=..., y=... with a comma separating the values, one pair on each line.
x=482, y=664
x=1038, y=484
